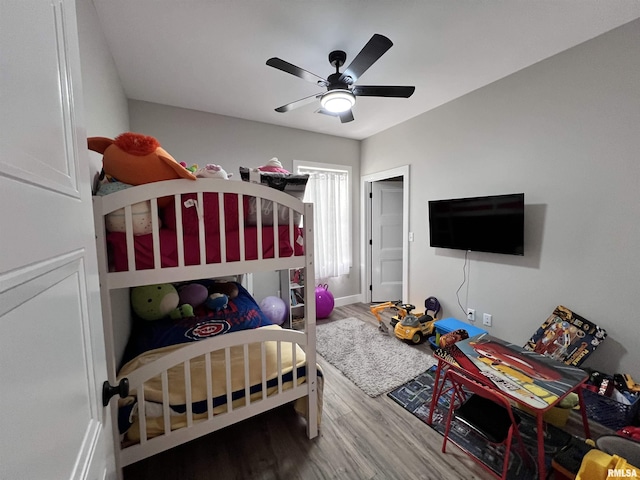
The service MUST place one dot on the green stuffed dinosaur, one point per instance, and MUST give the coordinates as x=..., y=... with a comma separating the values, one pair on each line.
x=153, y=302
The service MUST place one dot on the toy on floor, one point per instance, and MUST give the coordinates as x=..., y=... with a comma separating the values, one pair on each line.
x=402, y=309
x=413, y=328
x=324, y=301
x=566, y=337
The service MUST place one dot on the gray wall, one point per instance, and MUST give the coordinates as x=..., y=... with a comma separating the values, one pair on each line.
x=105, y=103
x=197, y=137
x=565, y=131
x=106, y=115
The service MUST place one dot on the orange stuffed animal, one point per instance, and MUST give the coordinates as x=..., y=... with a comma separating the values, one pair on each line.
x=137, y=159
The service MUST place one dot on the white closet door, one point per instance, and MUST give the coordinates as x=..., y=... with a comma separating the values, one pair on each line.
x=52, y=357
x=386, y=241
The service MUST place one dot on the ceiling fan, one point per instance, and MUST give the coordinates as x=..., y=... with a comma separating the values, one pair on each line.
x=341, y=89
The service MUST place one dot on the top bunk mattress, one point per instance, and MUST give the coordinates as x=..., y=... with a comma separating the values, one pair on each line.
x=178, y=223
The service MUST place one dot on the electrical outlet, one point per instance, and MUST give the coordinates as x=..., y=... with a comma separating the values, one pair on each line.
x=471, y=314
x=486, y=319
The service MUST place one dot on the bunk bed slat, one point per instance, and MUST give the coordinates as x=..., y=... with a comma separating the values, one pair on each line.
x=223, y=228
x=143, y=415
x=276, y=227
x=227, y=361
x=201, y=234
x=155, y=233
x=209, y=380
x=263, y=363
x=187, y=390
x=294, y=356
x=259, y=225
x=166, y=410
x=247, y=377
x=179, y=232
x=241, y=221
x=128, y=222
x=279, y=362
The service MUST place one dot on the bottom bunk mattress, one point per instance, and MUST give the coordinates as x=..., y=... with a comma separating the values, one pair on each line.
x=284, y=363
x=153, y=389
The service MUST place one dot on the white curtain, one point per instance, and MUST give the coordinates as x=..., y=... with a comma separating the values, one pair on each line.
x=329, y=193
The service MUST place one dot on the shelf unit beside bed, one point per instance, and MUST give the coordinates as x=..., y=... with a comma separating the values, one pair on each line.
x=183, y=392
x=292, y=282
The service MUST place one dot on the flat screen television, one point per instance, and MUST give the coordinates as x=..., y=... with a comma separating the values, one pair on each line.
x=483, y=224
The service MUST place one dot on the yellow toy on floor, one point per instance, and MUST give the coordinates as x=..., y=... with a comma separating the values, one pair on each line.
x=413, y=328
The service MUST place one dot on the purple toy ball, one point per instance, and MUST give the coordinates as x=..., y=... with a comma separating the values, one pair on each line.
x=324, y=301
x=193, y=294
x=274, y=308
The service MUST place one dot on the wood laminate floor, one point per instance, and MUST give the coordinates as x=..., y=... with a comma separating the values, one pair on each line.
x=360, y=438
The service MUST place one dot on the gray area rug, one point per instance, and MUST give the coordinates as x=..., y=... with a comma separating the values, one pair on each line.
x=376, y=362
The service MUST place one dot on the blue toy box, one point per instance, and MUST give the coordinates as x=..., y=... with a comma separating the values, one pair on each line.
x=447, y=325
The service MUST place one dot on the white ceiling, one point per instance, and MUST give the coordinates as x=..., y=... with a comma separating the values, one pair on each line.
x=210, y=55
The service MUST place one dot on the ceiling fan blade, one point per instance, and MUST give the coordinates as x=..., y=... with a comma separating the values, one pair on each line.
x=382, y=91
x=297, y=103
x=344, y=116
x=370, y=53
x=297, y=71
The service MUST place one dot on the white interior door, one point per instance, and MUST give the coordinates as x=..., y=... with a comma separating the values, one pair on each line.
x=52, y=357
x=386, y=240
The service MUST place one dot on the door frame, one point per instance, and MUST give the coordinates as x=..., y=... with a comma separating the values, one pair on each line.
x=365, y=228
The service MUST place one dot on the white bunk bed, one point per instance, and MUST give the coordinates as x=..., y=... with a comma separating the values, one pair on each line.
x=272, y=365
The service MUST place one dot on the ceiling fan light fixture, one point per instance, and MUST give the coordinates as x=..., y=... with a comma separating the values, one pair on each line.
x=338, y=100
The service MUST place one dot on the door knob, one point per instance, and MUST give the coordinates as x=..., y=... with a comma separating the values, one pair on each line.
x=109, y=391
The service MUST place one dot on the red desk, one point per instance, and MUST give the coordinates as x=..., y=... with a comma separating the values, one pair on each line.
x=526, y=377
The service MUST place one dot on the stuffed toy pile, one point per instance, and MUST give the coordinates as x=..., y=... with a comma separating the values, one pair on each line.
x=164, y=300
x=134, y=159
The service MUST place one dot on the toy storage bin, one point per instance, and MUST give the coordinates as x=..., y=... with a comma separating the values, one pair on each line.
x=447, y=325
x=609, y=412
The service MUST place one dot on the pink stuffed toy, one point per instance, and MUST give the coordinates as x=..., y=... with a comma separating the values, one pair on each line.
x=273, y=165
x=212, y=171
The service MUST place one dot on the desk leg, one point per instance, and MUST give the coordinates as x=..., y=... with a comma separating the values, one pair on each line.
x=435, y=394
x=583, y=412
x=541, y=462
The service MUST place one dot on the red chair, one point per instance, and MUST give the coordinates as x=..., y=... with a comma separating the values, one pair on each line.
x=484, y=410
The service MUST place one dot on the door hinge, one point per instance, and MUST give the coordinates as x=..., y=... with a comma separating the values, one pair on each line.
x=370, y=287
x=370, y=194
x=370, y=242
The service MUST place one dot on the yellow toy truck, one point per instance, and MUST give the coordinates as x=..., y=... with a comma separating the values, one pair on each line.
x=412, y=328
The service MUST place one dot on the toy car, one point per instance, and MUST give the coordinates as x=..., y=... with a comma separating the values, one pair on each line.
x=501, y=355
x=414, y=329
x=403, y=310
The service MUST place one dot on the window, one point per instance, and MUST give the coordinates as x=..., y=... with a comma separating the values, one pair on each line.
x=329, y=189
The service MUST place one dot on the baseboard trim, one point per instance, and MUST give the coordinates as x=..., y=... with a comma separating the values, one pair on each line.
x=342, y=301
